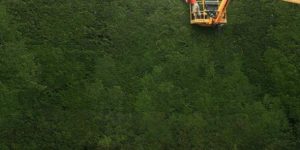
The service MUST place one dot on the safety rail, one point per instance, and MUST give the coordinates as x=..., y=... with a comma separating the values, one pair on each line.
x=207, y=9
x=209, y=12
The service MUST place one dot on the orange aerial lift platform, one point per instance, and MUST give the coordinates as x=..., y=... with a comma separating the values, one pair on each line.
x=212, y=13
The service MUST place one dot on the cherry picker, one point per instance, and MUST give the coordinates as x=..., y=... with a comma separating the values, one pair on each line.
x=212, y=12
x=209, y=12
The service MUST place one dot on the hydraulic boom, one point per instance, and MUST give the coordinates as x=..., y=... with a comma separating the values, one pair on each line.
x=293, y=1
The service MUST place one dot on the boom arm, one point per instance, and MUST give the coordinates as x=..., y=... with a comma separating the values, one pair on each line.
x=293, y=1
x=224, y=4
x=221, y=10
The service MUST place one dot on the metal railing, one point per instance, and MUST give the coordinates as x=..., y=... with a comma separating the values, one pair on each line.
x=207, y=9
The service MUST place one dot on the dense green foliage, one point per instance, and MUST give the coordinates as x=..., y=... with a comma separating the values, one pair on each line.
x=131, y=74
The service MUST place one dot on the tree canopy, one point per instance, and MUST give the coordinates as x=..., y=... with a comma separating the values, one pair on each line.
x=95, y=74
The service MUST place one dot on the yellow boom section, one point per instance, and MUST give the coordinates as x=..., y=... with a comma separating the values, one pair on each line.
x=221, y=10
x=293, y=1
